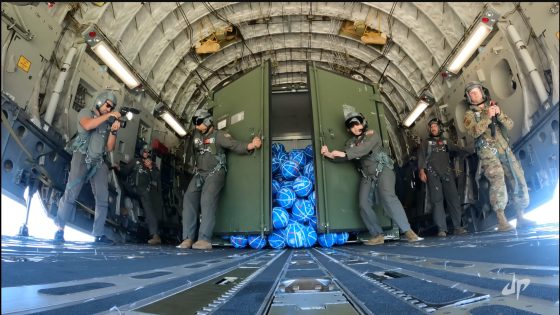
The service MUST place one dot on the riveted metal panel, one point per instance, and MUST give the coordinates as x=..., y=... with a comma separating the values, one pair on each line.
x=242, y=109
x=29, y=153
x=26, y=54
x=337, y=183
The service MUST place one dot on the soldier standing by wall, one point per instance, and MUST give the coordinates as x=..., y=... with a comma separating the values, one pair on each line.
x=435, y=170
x=485, y=121
x=203, y=192
x=142, y=177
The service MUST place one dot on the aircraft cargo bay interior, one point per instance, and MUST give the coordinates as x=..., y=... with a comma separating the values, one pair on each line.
x=280, y=158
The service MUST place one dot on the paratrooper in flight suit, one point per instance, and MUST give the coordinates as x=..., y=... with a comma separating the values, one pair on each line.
x=378, y=176
x=203, y=192
x=488, y=125
x=97, y=133
x=434, y=169
x=142, y=177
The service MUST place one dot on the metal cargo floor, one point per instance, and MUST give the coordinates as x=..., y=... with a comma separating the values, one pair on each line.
x=483, y=273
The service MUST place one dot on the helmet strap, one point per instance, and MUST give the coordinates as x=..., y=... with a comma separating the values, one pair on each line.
x=364, y=130
x=483, y=101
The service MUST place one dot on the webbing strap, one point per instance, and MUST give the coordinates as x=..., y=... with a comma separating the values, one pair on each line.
x=91, y=171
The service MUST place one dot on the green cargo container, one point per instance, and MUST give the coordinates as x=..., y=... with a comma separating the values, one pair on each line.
x=337, y=184
x=246, y=107
x=242, y=108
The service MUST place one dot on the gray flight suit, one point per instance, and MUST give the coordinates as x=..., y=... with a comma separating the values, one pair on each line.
x=433, y=157
x=140, y=181
x=364, y=149
x=89, y=149
x=204, y=189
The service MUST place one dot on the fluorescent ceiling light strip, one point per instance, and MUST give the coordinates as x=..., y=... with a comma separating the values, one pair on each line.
x=472, y=43
x=171, y=121
x=111, y=60
x=419, y=109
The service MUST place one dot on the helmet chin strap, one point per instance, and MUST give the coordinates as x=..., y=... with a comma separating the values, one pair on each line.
x=484, y=99
x=363, y=130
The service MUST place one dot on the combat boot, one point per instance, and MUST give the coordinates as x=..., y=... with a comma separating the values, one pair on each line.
x=522, y=222
x=460, y=231
x=503, y=224
x=186, y=244
x=59, y=236
x=412, y=237
x=442, y=234
x=103, y=240
x=375, y=240
x=156, y=240
x=202, y=244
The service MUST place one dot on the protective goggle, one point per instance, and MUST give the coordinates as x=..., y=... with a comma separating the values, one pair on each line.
x=476, y=86
x=197, y=120
x=109, y=105
x=353, y=122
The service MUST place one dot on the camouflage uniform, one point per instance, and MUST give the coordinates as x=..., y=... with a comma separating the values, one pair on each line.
x=498, y=162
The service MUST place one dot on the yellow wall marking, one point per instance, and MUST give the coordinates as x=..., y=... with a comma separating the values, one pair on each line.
x=24, y=64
